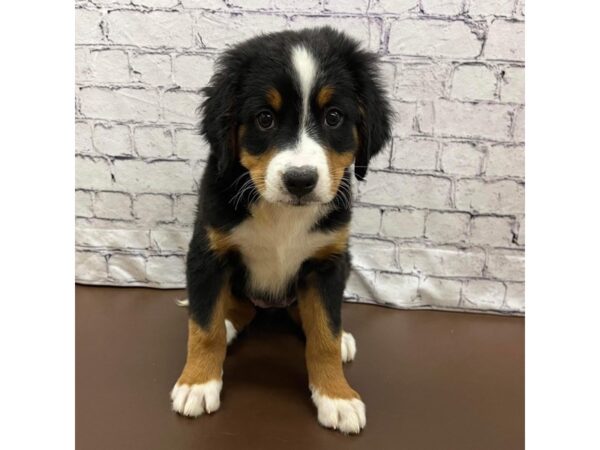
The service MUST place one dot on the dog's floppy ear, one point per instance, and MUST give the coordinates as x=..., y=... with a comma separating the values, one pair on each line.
x=219, y=121
x=375, y=113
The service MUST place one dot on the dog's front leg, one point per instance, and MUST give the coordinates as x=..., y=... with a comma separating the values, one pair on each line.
x=339, y=406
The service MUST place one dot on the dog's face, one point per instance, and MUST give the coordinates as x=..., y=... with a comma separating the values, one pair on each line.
x=300, y=108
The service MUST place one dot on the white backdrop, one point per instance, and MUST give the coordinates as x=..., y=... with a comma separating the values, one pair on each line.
x=439, y=222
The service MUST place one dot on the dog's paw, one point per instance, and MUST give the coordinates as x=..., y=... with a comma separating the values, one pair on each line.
x=196, y=399
x=345, y=415
x=231, y=331
x=348, y=347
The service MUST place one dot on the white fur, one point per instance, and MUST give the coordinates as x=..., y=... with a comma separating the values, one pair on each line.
x=182, y=302
x=231, y=331
x=276, y=241
x=306, y=151
x=347, y=416
x=348, y=347
x=195, y=400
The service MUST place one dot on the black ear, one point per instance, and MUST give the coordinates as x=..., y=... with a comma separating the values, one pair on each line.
x=375, y=113
x=218, y=110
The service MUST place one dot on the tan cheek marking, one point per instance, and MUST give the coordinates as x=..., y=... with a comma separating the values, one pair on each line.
x=337, y=247
x=324, y=95
x=339, y=161
x=257, y=166
x=219, y=241
x=274, y=99
x=323, y=349
x=206, y=347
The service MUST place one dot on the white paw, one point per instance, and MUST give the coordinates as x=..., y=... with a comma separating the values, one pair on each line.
x=348, y=347
x=347, y=416
x=231, y=331
x=195, y=400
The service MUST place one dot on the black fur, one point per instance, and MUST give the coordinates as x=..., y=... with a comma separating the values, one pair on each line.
x=232, y=98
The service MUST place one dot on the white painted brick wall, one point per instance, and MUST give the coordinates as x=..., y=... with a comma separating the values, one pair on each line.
x=439, y=222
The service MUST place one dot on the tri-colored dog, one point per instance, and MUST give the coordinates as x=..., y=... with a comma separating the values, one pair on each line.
x=286, y=115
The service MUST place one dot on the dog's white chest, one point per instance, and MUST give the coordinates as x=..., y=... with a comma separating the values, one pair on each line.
x=275, y=241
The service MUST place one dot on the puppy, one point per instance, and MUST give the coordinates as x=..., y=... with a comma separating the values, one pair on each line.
x=286, y=115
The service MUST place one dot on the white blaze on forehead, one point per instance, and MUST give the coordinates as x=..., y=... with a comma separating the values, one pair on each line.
x=305, y=66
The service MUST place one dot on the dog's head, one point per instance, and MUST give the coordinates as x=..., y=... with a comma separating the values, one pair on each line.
x=296, y=109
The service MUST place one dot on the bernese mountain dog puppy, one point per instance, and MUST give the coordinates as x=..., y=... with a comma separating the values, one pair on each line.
x=286, y=115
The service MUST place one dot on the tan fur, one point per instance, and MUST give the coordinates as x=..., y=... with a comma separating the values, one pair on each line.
x=323, y=349
x=324, y=95
x=257, y=166
x=274, y=99
x=337, y=247
x=338, y=162
x=206, y=347
x=219, y=241
x=239, y=312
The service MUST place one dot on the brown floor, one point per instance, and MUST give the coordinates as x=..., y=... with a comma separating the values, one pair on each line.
x=431, y=380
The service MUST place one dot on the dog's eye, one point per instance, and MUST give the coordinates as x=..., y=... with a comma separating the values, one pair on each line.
x=265, y=120
x=333, y=118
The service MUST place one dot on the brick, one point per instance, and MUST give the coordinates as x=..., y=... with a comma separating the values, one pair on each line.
x=491, y=121
x=433, y=38
x=447, y=227
x=442, y=7
x=396, y=289
x=112, y=140
x=153, y=142
x=351, y=6
x=180, y=106
x=513, y=85
x=442, y=262
x=506, y=41
x=498, y=197
x=361, y=284
x=83, y=69
x=112, y=238
x=506, y=161
x=87, y=27
x=461, y=158
x=365, y=220
x=441, y=293
x=109, y=66
x=171, y=240
x=494, y=231
x=83, y=138
x=484, y=294
x=218, y=30
x=151, y=68
x=185, y=209
x=364, y=29
x=393, y=6
x=192, y=71
x=113, y=205
x=124, y=104
x=150, y=29
x=490, y=7
x=414, y=154
x=519, y=125
x=405, y=114
x=190, y=145
x=421, y=81
x=127, y=268
x=425, y=117
x=382, y=159
x=152, y=208
x=156, y=177
x=197, y=170
x=206, y=4
x=92, y=174
x=403, y=224
x=83, y=204
x=515, y=297
x=90, y=266
x=521, y=231
x=373, y=254
x=168, y=270
x=305, y=5
x=504, y=265
x=406, y=190
x=388, y=76
x=473, y=82
x=156, y=3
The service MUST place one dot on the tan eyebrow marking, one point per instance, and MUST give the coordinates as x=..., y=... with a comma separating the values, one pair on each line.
x=324, y=95
x=274, y=98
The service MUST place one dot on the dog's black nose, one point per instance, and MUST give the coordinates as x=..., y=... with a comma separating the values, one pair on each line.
x=300, y=181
